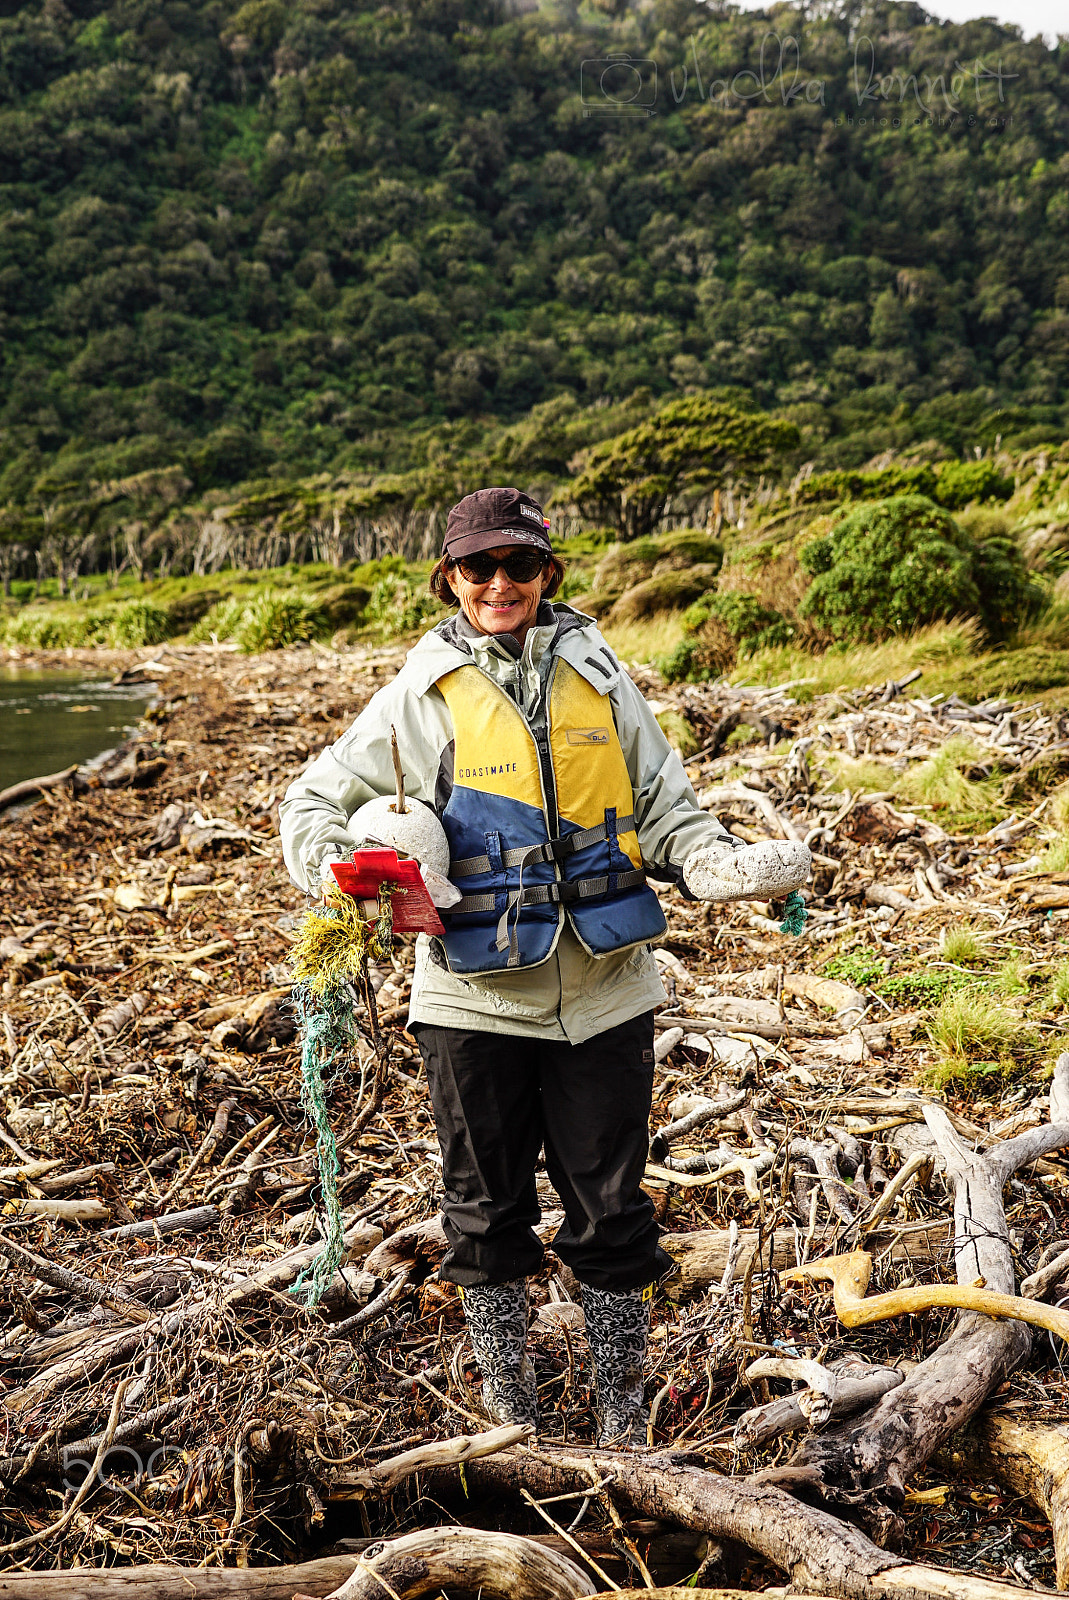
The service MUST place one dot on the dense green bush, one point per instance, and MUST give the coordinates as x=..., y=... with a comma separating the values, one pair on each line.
x=219, y=621
x=138, y=622
x=343, y=604
x=275, y=619
x=721, y=628
x=187, y=609
x=832, y=488
x=896, y=564
x=396, y=607
x=752, y=624
x=960, y=482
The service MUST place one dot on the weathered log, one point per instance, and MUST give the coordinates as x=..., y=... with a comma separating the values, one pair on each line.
x=845, y=1388
x=868, y=1462
x=29, y=786
x=823, y=1555
x=1032, y=1459
x=386, y=1475
x=702, y=1256
x=496, y=1564
x=192, y=1221
x=179, y=1583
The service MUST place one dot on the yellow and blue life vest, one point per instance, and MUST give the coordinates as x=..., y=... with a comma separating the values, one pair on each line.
x=534, y=834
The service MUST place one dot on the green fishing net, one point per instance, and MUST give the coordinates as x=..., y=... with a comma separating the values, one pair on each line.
x=330, y=955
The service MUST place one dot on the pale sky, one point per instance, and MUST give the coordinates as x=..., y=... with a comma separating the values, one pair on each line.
x=1049, y=17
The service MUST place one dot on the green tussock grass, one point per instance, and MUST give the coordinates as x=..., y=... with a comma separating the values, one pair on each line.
x=1055, y=858
x=975, y=1035
x=961, y=945
x=1010, y=977
x=873, y=777
x=1059, y=987
x=941, y=783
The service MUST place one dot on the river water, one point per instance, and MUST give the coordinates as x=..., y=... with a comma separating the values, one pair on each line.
x=49, y=720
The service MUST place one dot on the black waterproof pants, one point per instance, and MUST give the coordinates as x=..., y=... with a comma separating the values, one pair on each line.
x=498, y=1100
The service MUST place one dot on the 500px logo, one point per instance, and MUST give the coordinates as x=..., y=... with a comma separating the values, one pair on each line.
x=168, y=1461
x=618, y=86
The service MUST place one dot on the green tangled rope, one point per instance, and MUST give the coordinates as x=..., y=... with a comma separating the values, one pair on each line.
x=330, y=953
x=794, y=914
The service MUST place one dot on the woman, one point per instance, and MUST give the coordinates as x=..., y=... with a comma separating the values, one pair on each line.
x=559, y=795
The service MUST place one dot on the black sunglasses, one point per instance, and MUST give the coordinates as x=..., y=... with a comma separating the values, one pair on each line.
x=521, y=566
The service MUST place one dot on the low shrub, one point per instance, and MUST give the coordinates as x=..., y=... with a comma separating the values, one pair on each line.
x=38, y=628
x=219, y=621
x=723, y=628
x=625, y=565
x=138, y=622
x=343, y=604
x=395, y=607
x=187, y=609
x=277, y=618
x=960, y=482
x=835, y=487
x=896, y=564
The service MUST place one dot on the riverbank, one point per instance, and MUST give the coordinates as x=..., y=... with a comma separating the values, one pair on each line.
x=152, y=1081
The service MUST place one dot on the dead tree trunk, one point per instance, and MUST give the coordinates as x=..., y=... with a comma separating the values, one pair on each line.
x=823, y=1555
x=867, y=1463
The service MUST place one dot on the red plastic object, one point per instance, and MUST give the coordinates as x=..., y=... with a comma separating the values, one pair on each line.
x=413, y=909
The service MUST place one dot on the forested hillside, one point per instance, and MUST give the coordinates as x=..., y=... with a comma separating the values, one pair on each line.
x=303, y=236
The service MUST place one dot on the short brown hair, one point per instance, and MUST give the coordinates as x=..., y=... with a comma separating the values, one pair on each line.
x=439, y=583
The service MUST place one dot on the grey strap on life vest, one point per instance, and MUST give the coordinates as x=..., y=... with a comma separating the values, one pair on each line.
x=542, y=893
x=552, y=850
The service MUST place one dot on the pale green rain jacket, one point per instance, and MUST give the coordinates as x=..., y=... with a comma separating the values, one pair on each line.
x=571, y=996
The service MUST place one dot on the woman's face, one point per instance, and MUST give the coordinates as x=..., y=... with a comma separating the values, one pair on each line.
x=502, y=605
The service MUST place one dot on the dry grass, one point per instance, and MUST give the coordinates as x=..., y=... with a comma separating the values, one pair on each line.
x=643, y=640
x=942, y=650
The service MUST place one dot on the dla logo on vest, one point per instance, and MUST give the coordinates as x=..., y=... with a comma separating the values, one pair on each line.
x=587, y=735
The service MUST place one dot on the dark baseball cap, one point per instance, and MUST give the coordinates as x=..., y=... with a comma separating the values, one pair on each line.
x=491, y=517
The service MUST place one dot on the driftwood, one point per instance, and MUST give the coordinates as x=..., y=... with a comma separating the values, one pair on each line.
x=1032, y=1458
x=702, y=1256
x=501, y=1566
x=868, y=1463
x=832, y=1392
x=822, y=1554
x=119, y=962
x=30, y=786
x=387, y=1475
x=160, y=1582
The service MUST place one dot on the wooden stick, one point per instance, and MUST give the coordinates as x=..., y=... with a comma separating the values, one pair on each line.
x=849, y=1276
x=22, y=791
x=386, y=1475
x=398, y=772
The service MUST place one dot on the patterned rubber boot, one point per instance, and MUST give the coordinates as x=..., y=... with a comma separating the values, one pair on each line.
x=497, y=1322
x=617, y=1329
